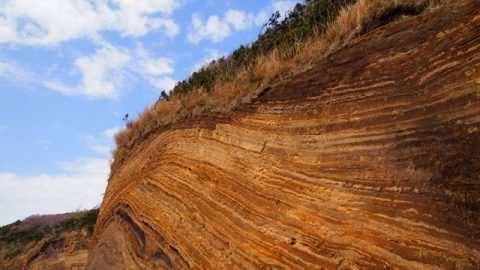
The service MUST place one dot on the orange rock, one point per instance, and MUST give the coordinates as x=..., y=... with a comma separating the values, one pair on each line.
x=365, y=161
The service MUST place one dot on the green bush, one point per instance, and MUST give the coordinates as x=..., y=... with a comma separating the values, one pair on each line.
x=12, y=253
x=82, y=220
x=10, y=234
x=119, y=156
x=286, y=35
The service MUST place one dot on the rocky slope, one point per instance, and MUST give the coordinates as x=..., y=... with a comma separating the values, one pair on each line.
x=369, y=160
x=48, y=242
x=67, y=252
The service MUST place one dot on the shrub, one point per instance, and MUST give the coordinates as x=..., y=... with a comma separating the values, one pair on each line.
x=119, y=156
x=12, y=253
x=82, y=219
x=14, y=234
x=10, y=234
x=285, y=35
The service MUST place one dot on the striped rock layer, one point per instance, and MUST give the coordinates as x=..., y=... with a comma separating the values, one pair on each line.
x=61, y=261
x=368, y=160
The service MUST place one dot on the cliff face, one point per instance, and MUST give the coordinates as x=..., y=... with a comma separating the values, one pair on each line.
x=371, y=159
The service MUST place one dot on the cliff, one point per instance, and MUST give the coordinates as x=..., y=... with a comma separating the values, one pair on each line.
x=368, y=160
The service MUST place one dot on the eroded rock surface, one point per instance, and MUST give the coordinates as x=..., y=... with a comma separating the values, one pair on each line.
x=370, y=160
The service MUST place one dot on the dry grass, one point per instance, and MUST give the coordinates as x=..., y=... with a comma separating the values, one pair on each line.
x=248, y=83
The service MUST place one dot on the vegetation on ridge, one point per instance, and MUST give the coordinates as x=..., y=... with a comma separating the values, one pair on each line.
x=285, y=35
x=308, y=33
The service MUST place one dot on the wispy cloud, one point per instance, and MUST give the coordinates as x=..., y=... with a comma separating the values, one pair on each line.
x=102, y=74
x=156, y=66
x=156, y=70
x=216, y=28
x=103, y=142
x=14, y=72
x=163, y=84
x=212, y=28
x=49, y=22
x=79, y=186
x=111, y=132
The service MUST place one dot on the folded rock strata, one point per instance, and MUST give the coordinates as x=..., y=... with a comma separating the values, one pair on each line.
x=369, y=160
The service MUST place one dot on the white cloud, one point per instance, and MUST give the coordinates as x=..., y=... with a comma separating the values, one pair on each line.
x=79, y=186
x=3, y=127
x=49, y=22
x=110, y=133
x=217, y=29
x=163, y=84
x=156, y=66
x=147, y=6
x=240, y=20
x=210, y=55
x=13, y=71
x=236, y=19
x=213, y=28
x=102, y=74
x=171, y=28
x=154, y=69
x=134, y=22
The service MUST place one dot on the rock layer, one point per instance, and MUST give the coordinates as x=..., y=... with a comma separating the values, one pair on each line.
x=68, y=251
x=368, y=160
x=61, y=261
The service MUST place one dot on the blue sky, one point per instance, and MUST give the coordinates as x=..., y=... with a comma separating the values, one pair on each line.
x=69, y=71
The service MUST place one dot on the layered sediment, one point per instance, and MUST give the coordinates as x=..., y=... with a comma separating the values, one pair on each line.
x=368, y=160
x=68, y=252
